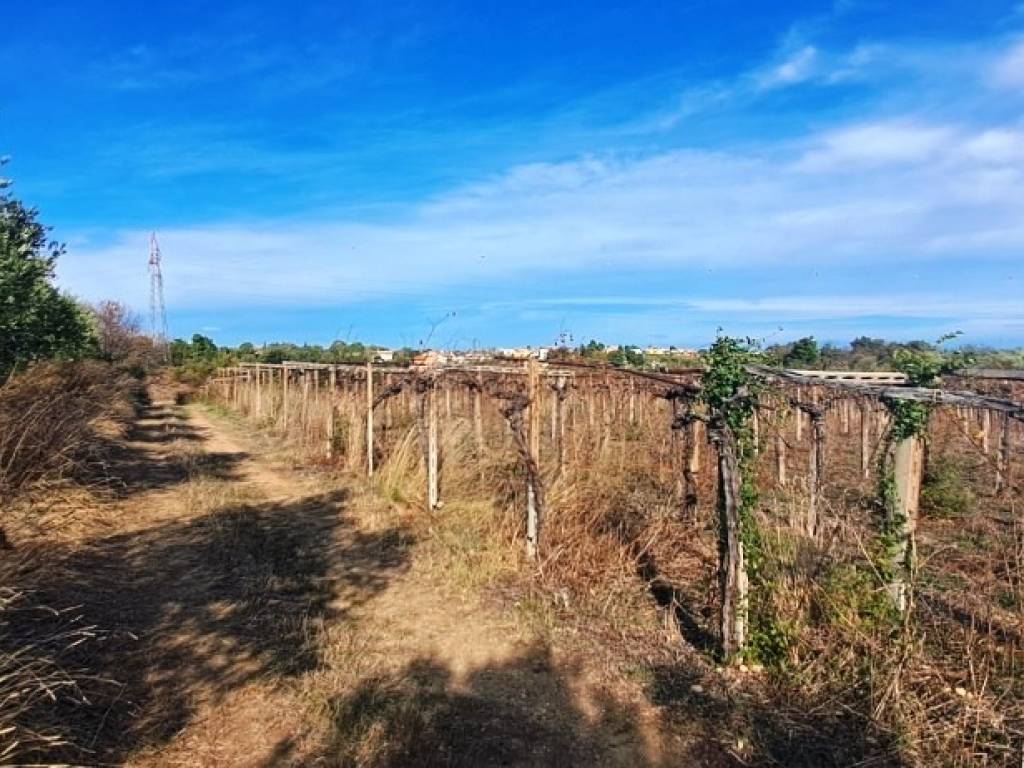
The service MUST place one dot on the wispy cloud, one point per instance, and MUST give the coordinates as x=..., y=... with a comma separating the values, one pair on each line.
x=842, y=306
x=917, y=177
x=861, y=194
x=1008, y=69
x=796, y=68
x=877, y=144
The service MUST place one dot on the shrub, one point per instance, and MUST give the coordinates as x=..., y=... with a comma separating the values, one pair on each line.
x=48, y=417
x=944, y=492
x=36, y=320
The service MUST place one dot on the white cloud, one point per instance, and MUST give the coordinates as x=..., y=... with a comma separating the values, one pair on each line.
x=1008, y=70
x=878, y=191
x=796, y=68
x=997, y=146
x=877, y=143
x=839, y=306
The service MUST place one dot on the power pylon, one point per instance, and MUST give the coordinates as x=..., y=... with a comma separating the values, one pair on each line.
x=157, y=311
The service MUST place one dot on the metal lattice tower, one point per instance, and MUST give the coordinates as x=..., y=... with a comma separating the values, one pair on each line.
x=157, y=311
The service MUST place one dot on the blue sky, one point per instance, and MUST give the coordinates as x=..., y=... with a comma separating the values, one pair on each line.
x=508, y=172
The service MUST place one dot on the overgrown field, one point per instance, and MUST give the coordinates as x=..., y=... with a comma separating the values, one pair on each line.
x=57, y=424
x=628, y=568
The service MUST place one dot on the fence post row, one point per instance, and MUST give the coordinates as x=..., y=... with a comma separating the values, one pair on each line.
x=901, y=460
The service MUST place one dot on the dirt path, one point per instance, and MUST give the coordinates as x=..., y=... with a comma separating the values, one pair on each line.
x=257, y=619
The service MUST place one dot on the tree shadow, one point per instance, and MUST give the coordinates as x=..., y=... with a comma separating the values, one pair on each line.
x=689, y=620
x=777, y=726
x=191, y=610
x=145, y=459
x=521, y=712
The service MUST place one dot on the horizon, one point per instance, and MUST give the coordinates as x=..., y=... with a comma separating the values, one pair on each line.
x=757, y=344
x=509, y=175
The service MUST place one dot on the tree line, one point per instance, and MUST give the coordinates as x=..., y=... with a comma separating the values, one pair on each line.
x=40, y=322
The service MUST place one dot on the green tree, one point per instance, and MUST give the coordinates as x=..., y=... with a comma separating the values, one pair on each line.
x=803, y=353
x=203, y=347
x=627, y=356
x=36, y=320
x=180, y=351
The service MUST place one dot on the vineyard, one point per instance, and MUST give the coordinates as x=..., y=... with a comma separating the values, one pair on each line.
x=853, y=539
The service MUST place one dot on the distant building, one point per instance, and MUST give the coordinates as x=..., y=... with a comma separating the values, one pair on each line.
x=517, y=353
x=669, y=352
x=524, y=353
x=432, y=358
x=384, y=355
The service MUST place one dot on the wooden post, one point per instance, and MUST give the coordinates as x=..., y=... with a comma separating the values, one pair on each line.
x=755, y=428
x=285, y=410
x=799, y=419
x=562, y=407
x=369, y=419
x=986, y=428
x=845, y=414
x=591, y=406
x=554, y=419
x=533, y=441
x=817, y=466
x=690, y=445
x=1003, y=461
x=332, y=427
x=433, y=491
x=907, y=457
x=732, y=570
x=698, y=434
x=780, y=460
x=259, y=391
x=561, y=394
x=606, y=417
x=478, y=415
x=865, y=439
x=304, y=416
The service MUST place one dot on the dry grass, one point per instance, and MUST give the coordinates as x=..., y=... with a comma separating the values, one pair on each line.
x=53, y=417
x=34, y=675
x=50, y=418
x=943, y=689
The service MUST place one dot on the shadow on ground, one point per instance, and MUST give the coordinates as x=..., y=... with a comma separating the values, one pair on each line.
x=189, y=610
x=162, y=449
x=523, y=712
x=767, y=726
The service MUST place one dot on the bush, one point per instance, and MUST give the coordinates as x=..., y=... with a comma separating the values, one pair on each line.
x=195, y=372
x=37, y=321
x=944, y=493
x=48, y=417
